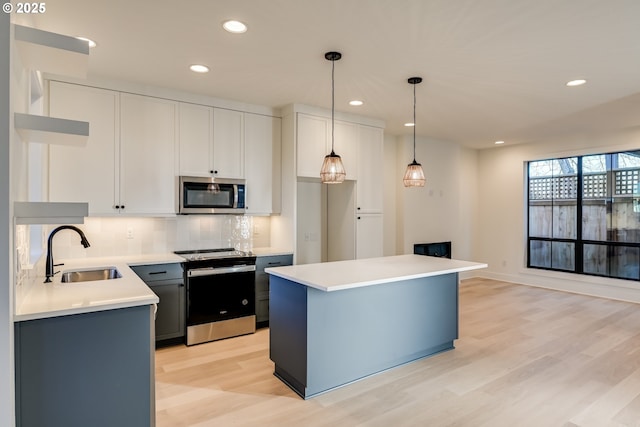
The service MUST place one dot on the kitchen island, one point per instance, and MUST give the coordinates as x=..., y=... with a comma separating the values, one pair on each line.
x=337, y=322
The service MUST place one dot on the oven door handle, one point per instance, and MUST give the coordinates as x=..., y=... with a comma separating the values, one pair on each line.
x=211, y=271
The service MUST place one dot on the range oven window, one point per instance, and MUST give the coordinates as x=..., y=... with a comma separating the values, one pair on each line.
x=220, y=296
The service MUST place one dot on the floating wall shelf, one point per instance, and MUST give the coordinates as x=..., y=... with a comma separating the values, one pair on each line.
x=51, y=130
x=51, y=52
x=50, y=212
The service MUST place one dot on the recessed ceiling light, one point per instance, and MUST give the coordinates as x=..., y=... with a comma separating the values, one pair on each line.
x=576, y=82
x=91, y=42
x=235, y=27
x=198, y=68
x=409, y=124
x=499, y=142
x=356, y=103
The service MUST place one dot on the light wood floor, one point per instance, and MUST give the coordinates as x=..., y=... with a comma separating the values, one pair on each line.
x=525, y=357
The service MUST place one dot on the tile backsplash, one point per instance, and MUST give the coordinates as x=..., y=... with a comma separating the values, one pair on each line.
x=134, y=236
x=22, y=252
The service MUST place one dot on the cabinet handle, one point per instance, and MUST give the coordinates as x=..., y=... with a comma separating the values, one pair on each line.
x=116, y=207
x=210, y=171
x=157, y=272
x=122, y=207
x=215, y=172
x=274, y=263
x=358, y=207
x=358, y=217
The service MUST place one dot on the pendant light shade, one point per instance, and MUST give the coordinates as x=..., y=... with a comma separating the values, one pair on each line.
x=414, y=175
x=332, y=171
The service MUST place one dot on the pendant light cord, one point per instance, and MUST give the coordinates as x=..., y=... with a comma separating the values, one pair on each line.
x=333, y=95
x=414, y=123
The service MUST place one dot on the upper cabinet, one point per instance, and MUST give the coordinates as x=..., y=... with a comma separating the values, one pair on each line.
x=211, y=141
x=312, y=138
x=195, y=140
x=140, y=144
x=127, y=165
x=345, y=145
x=262, y=163
x=147, y=153
x=233, y=144
x=314, y=143
x=228, y=143
x=87, y=173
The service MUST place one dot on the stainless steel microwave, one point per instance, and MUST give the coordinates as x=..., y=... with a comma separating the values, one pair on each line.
x=210, y=195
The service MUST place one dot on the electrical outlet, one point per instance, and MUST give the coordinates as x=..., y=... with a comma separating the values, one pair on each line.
x=129, y=233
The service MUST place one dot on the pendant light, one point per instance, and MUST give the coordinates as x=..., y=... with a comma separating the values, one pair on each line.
x=414, y=176
x=332, y=171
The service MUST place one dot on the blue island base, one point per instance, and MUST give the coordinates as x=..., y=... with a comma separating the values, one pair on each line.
x=323, y=340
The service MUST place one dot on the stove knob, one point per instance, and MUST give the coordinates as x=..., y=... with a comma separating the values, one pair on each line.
x=245, y=302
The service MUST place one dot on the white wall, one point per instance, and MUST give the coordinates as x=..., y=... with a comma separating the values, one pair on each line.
x=442, y=210
x=501, y=212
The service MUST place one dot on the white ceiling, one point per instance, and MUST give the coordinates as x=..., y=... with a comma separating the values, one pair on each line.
x=492, y=69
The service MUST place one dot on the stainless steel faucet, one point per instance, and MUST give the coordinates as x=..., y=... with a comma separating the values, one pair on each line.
x=49, y=269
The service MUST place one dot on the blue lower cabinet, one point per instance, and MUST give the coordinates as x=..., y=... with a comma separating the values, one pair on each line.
x=93, y=369
x=262, y=284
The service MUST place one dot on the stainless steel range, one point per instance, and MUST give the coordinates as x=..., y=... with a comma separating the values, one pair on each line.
x=220, y=299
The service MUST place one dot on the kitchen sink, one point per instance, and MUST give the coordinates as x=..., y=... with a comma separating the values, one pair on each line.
x=87, y=275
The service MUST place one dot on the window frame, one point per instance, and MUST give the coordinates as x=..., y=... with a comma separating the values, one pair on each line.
x=579, y=242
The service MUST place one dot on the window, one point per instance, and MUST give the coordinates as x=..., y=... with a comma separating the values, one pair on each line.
x=584, y=215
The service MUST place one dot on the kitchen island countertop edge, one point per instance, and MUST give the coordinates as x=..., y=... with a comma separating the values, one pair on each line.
x=341, y=275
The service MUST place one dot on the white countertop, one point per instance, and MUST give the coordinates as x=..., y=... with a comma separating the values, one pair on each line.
x=268, y=251
x=53, y=299
x=339, y=275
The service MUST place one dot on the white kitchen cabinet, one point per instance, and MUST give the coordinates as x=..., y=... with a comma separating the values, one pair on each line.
x=369, y=236
x=228, y=143
x=369, y=197
x=147, y=168
x=346, y=145
x=312, y=137
x=127, y=165
x=314, y=143
x=88, y=173
x=195, y=140
x=262, y=163
x=211, y=141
